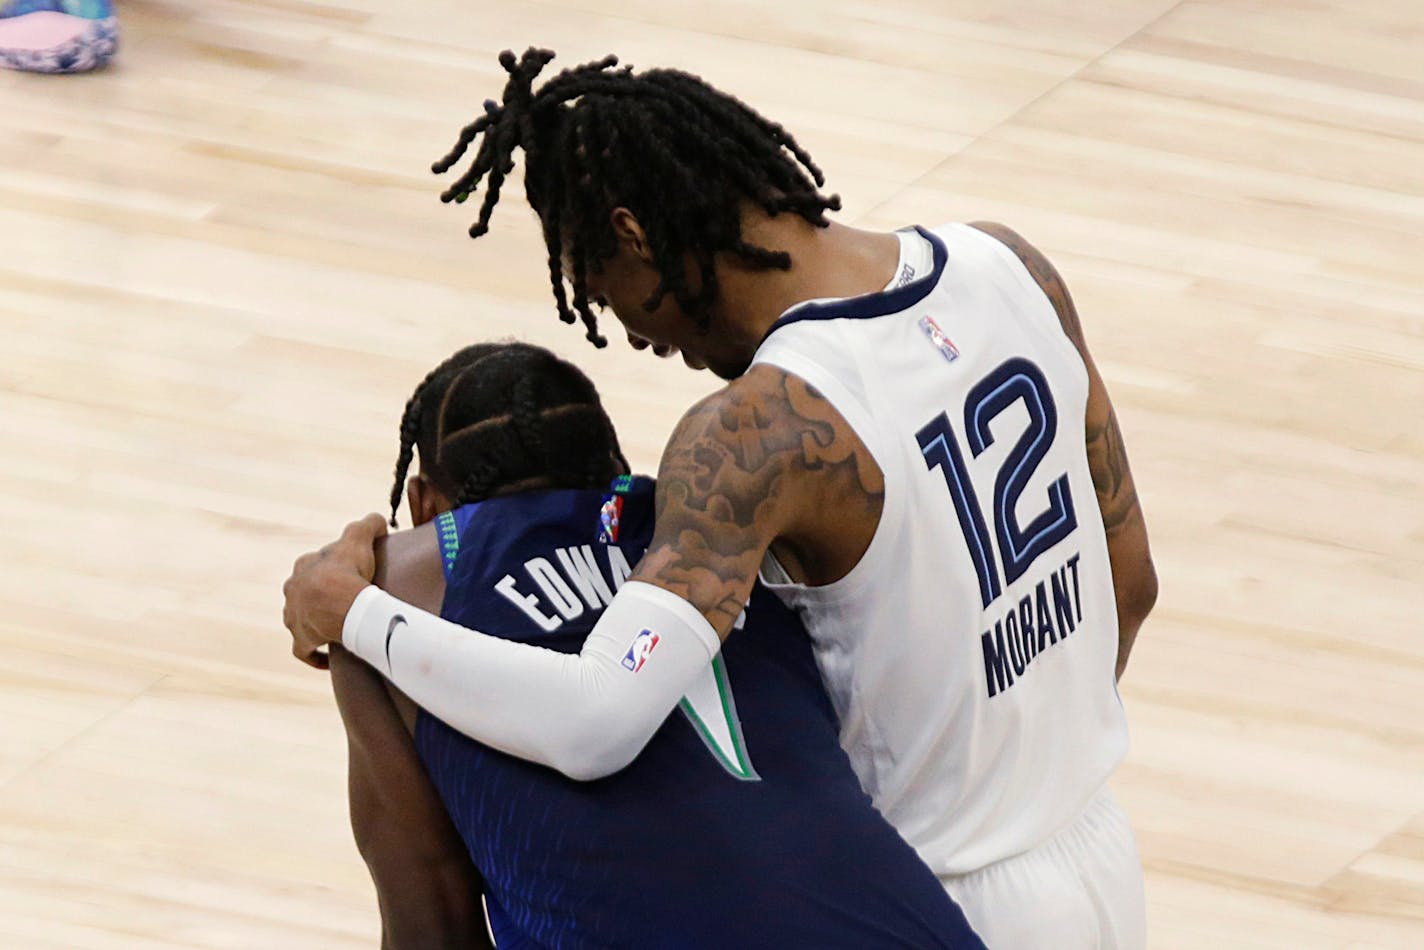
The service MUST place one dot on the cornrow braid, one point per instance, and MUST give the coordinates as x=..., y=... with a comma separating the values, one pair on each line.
x=683, y=157
x=526, y=416
x=479, y=484
x=501, y=417
x=411, y=417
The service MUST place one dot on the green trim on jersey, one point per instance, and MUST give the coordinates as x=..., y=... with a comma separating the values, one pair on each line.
x=739, y=763
x=448, y=534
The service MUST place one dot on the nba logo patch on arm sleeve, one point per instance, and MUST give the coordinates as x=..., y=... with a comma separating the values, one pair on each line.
x=639, y=650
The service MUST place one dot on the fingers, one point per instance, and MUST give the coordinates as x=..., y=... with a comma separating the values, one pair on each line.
x=313, y=658
x=360, y=534
x=299, y=568
x=366, y=531
x=319, y=591
x=303, y=564
x=637, y=342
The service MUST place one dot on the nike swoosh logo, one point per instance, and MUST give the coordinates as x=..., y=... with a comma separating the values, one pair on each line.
x=390, y=632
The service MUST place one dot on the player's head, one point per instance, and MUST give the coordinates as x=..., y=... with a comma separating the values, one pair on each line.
x=497, y=418
x=640, y=181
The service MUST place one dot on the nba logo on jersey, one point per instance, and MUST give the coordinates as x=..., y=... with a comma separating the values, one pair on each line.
x=939, y=339
x=639, y=650
x=608, y=518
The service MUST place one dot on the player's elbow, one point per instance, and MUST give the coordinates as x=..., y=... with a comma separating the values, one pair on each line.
x=1134, y=578
x=589, y=764
x=1136, y=596
x=601, y=744
x=589, y=758
x=1139, y=595
x=586, y=767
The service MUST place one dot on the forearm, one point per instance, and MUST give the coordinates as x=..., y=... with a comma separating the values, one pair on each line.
x=1134, y=582
x=430, y=910
x=1127, y=626
x=585, y=714
x=426, y=885
x=427, y=902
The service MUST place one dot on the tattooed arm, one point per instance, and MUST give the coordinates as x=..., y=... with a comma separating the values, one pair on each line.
x=1134, y=578
x=756, y=466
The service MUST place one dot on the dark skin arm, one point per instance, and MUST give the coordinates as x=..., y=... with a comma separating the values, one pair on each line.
x=1134, y=578
x=427, y=887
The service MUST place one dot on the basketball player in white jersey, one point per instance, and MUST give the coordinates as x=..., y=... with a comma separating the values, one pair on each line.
x=915, y=448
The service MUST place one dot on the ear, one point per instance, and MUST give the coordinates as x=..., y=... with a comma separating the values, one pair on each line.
x=630, y=234
x=425, y=500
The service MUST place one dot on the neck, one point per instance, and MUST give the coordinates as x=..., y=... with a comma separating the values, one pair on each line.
x=835, y=261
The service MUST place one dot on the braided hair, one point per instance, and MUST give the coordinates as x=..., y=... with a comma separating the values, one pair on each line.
x=499, y=417
x=681, y=156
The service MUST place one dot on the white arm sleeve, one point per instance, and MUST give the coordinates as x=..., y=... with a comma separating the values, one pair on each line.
x=587, y=714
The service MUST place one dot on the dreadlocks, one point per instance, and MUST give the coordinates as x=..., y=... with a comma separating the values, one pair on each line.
x=506, y=416
x=678, y=154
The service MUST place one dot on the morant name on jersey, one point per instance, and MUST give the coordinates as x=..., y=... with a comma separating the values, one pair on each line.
x=1037, y=622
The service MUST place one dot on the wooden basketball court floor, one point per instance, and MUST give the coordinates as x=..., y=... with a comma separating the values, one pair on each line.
x=223, y=267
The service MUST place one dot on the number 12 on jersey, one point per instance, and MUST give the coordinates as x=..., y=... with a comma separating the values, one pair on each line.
x=1014, y=380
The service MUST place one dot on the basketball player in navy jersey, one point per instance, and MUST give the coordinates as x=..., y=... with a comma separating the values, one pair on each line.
x=741, y=824
x=915, y=450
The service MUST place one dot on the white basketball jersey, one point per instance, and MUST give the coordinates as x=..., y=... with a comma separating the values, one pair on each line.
x=970, y=653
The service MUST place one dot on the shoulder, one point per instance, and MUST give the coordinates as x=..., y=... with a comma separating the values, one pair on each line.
x=767, y=450
x=408, y=566
x=1041, y=269
x=766, y=421
x=763, y=390
x=1013, y=240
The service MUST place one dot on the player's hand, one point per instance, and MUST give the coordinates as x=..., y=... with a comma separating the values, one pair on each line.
x=323, y=585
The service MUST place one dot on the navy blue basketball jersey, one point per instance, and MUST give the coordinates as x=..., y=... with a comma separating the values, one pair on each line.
x=741, y=824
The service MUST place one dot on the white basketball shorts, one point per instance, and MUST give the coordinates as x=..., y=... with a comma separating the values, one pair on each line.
x=1079, y=890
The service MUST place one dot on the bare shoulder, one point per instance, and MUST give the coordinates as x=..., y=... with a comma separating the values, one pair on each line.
x=752, y=440
x=408, y=566
x=761, y=420
x=1042, y=271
